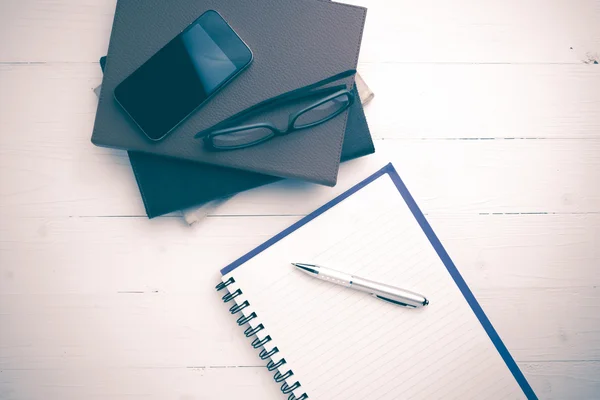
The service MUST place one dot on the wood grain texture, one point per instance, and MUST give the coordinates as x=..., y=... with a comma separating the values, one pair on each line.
x=158, y=330
x=461, y=31
x=490, y=111
x=508, y=176
x=575, y=380
x=412, y=101
x=49, y=164
x=93, y=255
x=65, y=274
x=551, y=381
x=476, y=101
x=471, y=31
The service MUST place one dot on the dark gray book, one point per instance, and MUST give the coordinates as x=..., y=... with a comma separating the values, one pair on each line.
x=295, y=43
x=168, y=184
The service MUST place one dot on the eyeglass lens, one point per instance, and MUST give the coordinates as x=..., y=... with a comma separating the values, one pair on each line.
x=249, y=136
x=241, y=138
x=323, y=111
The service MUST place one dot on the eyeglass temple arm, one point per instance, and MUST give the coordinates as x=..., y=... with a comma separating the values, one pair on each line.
x=285, y=96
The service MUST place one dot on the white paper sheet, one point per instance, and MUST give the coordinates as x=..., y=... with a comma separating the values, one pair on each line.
x=344, y=344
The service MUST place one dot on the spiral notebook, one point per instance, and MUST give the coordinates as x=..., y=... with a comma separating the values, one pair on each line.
x=327, y=342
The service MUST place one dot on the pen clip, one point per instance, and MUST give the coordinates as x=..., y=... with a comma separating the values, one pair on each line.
x=393, y=301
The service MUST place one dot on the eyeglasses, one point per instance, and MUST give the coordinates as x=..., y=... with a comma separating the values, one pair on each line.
x=242, y=136
x=329, y=103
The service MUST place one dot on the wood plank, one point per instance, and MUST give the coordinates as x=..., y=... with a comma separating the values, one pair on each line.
x=125, y=255
x=495, y=176
x=42, y=145
x=55, y=31
x=574, y=380
x=571, y=380
x=471, y=31
x=464, y=31
x=411, y=101
x=49, y=167
x=145, y=289
x=158, y=330
x=134, y=383
x=541, y=251
x=483, y=101
x=552, y=380
x=556, y=326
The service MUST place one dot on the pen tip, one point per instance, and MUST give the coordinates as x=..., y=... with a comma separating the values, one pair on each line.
x=426, y=302
x=306, y=268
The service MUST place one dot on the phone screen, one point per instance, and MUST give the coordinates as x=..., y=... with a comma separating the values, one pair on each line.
x=183, y=75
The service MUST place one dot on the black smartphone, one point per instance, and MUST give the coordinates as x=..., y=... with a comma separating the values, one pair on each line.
x=183, y=75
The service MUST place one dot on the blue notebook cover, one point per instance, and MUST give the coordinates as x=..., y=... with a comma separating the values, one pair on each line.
x=433, y=240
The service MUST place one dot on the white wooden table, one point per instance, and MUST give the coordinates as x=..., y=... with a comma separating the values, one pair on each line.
x=490, y=111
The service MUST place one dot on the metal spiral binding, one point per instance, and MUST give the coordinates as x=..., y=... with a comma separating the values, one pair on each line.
x=257, y=343
x=303, y=396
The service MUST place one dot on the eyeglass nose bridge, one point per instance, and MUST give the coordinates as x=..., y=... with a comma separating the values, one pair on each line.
x=290, y=125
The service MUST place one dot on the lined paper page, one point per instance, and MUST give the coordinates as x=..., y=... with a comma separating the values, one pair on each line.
x=344, y=344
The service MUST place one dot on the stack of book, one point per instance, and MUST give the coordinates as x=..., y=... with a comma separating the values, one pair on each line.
x=295, y=44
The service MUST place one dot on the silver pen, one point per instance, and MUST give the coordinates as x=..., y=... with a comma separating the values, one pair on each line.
x=382, y=291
